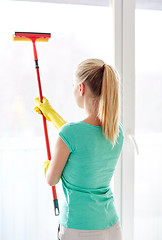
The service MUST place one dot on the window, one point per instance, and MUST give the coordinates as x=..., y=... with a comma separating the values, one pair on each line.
x=148, y=194
x=25, y=196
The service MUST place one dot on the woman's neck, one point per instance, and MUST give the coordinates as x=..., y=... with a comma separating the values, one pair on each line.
x=92, y=121
x=91, y=112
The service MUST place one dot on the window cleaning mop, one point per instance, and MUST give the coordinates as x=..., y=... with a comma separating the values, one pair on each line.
x=41, y=37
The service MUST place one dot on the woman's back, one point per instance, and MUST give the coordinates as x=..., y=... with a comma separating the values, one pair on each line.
x=88, y=202
x=85, y=155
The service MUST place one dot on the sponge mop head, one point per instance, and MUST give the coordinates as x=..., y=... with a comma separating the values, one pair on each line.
x=31, y=36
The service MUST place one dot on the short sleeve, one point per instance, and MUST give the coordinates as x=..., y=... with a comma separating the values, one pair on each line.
x=67, y=136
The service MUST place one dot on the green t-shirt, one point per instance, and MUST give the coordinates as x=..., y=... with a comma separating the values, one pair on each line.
x=88, y=202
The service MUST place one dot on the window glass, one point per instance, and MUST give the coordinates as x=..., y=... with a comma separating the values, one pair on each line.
x=148, y=194
x=77, y=33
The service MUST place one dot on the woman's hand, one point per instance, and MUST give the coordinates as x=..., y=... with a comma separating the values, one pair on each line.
x=43, y=107
x=49, y=113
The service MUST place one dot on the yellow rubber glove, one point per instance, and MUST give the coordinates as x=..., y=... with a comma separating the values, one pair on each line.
x=49, y=112
x=45, y=166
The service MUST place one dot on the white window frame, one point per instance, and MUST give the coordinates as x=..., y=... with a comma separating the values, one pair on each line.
x=124, y=61
x=140, y=4
x=76, y=2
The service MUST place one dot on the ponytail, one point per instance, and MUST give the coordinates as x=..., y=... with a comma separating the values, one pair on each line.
x=109, y=104
x=103, y=82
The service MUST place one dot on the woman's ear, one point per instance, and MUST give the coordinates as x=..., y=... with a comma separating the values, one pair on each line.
x=82, y=89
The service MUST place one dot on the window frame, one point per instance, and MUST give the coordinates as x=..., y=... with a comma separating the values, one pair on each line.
x=124, y=61
x=140, y=4
x=76, y=2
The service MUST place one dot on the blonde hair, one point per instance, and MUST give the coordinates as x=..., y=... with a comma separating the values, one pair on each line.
x=103, y=81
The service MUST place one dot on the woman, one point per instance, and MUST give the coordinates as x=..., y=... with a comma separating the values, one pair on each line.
x=86, y=153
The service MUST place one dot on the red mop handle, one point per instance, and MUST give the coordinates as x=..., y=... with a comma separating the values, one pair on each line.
x=55, y=200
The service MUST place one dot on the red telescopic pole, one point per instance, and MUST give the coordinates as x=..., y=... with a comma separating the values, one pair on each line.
x=55, y=200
